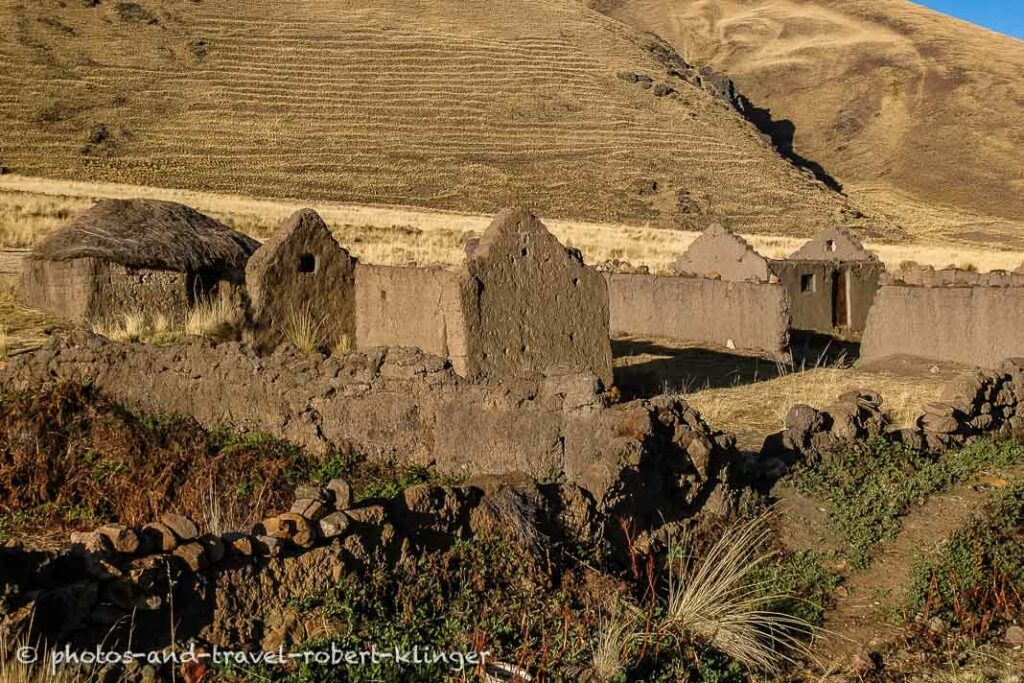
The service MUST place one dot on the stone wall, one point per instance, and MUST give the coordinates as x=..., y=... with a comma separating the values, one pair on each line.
x=746, y=316
x=413, y=307
x=968, y=325
x=811, y=284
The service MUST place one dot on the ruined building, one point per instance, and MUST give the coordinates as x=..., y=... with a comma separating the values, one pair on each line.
x=831, y=282
x=130, y=256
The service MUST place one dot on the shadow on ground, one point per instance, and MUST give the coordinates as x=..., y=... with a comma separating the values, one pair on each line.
x=648, y=367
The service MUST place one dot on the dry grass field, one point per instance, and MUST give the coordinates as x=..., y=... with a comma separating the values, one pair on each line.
x=466, y=106
x=917, y=114
x=32, y=207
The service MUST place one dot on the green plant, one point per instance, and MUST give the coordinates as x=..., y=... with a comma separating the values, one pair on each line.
x=869, y=487
x=977, y=583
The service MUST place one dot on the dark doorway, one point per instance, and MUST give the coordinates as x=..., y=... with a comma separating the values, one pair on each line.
x=840, y=316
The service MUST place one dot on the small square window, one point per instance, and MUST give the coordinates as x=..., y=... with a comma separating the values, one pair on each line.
x=830, y=245
x=307, y=263
x=807, y=283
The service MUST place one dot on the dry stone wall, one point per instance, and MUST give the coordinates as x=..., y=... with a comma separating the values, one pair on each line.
x=978, y=403
x=746, y=316
x=967, y=325
x=120, y=584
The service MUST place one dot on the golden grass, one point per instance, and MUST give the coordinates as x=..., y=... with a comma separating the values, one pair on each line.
x=128, y=327
x=717, y=598
x=753, y=411
x=304, y=330
x=617, y=636
x=24, y=327
x=3, y=343
x=214, y=317
x=402, y=235
x=450, y=105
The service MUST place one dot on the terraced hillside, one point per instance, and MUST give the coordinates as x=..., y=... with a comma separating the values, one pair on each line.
x=467, y=105
x=920, y=116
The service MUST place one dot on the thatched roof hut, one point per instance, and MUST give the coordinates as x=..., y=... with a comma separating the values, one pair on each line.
x=135, y=256
x=151, y=235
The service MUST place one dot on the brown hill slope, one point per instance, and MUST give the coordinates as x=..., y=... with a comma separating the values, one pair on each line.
x=466, y=105
x=907, y=107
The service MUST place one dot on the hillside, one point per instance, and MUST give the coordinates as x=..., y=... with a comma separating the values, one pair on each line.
x=918, y=115
x=469, y=106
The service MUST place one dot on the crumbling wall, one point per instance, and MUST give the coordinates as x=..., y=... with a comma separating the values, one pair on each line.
x=391, y=404
x=301, y=276
x=953, y=277
x=89, y=289
x=745, y=316
x=720, y=253
x=968, y=325
x=810, y=287
x=531, y=305
x=413, y=307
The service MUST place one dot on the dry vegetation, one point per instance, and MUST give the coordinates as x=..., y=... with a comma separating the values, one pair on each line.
x=915, y=113
x=756, y=410
x=466, y=106
x=32, y=207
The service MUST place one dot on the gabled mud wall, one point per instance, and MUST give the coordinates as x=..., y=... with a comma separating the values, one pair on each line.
x=746, y=316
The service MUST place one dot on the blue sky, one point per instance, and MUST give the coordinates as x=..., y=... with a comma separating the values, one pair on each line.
x=1005, y=16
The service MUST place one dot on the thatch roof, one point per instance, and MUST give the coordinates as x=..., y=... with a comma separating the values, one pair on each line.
x=143, y=233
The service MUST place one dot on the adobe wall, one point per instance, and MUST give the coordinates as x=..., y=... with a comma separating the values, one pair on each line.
x=398, y=405
x=88, y=289
x=301, y=273
x=720, y=253
x=405, y=306
x=812, y=310
x=977, y=326
x=531, y=305
x=954, y=277
x=750, y=316
x=833, y=244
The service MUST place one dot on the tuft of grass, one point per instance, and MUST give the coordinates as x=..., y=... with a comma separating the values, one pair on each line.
x=720, y=599
x=212, y=317
x=130, y=327
x=3, y=343
x=869, y=487
x=618, y=637
x=342, y=346
x=304, y=330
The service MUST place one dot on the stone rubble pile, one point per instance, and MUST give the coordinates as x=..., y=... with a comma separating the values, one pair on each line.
x=110, y=576
x=975, y=404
